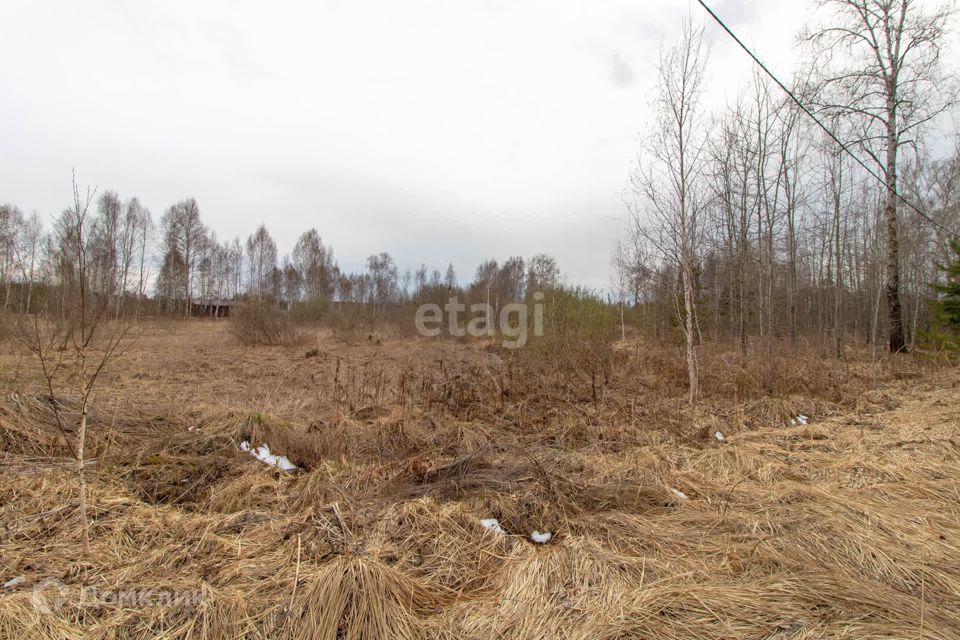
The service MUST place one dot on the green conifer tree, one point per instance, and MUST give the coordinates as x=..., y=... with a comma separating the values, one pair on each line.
x=945, y=329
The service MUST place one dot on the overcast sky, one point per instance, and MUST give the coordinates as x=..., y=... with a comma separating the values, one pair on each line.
x=435, y=130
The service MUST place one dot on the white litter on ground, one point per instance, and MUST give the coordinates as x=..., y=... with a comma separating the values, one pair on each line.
x=492, y=524
x=719, y=437
x=541, y=538
x=263, y=454
x=801, y=420
x=11, y=583
x=678, y=493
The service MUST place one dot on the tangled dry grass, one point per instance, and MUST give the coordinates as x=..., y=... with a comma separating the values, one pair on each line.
x=846, y=527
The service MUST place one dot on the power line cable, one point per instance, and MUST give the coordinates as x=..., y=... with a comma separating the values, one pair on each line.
x=813, y=117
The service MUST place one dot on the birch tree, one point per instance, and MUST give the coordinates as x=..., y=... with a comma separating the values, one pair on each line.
x=669, y=184
x=880, y=66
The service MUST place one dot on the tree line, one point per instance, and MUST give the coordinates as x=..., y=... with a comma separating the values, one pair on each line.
x=758, y=225
x=163, y=268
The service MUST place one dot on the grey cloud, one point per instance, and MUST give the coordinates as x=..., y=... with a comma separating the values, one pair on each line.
x=620, y=71
x=737, y=11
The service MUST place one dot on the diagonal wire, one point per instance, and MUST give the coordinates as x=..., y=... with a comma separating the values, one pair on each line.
x=820, y=123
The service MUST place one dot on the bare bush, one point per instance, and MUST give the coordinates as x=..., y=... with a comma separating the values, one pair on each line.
x=576, y=346
x=260, y=323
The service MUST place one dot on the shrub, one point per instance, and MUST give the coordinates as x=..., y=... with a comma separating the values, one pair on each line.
x=579, y=330
x=254, y=323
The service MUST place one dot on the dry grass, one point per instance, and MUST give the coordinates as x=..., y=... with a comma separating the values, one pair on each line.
x=260, y=323
x=844, y=528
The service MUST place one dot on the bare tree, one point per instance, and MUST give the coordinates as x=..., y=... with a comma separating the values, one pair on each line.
x=261, y=261
x=542, y=273
x=126, y=249
x=880, y=65
x=383, y=279
x=835, y=167
x=669, y=185
x=735, y=158
x=183, y=237
x=450, y=279
x=485, y=278
x=75, y=353
x=11, y=220
x=28, y=247
x=314, y=262
x=145, y=231
x=510, y=280
x=792, y=157
x=620, y=282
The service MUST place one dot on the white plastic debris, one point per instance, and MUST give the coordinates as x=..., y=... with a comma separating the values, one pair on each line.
x=492, y=524
x=678, y=493
x=541, y=538
x=719, y=437
x=263, y=454
x=801, y=420
x=11, y=583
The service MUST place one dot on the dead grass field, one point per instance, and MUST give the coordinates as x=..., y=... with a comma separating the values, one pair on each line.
x=847, y=527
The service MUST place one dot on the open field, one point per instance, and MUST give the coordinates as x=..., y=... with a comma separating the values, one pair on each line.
x=846, y=527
